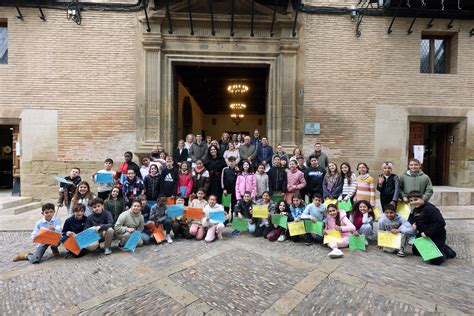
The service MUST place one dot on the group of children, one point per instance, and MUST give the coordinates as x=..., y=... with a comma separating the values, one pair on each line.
x=137, y=198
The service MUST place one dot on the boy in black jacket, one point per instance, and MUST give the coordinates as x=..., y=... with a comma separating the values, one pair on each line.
x=102, y=221
x=169, y=179
x=74, y=225
x=427, y=221
x=228, y=180
x=243, y=209
x=277, y=180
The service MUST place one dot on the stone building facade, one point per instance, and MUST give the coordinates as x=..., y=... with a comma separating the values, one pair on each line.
x=81, y=93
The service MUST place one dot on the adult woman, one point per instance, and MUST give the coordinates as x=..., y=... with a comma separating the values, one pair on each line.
x=232, y=152
x=214, y=165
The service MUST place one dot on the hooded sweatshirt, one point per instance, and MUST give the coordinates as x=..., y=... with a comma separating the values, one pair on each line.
x=416, y=181
x=398, y=222
x=317, y=212
x=314, y=179
x=128, y=220
x=168, y=182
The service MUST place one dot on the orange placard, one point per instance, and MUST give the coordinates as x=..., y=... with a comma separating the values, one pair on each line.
x=47, y=237
x=157, y=232
x=170, y=200
x=193, y=213
x=71, y=245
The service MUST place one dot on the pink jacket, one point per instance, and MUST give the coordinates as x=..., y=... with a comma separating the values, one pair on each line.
x=296, y=181
x=346, y=226
x=246, y=183
x=185, y=180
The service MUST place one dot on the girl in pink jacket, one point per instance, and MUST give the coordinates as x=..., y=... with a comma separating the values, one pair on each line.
x=185, y=181
x=337, y=220
x=246, y=181
x=295, y=181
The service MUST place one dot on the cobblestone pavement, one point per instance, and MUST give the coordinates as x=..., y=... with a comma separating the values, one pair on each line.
x=245, y=275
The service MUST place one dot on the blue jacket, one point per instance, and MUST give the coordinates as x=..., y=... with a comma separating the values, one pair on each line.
x=264, y=153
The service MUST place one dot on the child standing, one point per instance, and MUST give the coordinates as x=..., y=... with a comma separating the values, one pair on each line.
x=246, y=182
x=169, y=179
x=262, y=180
x=392, y=222
x=415, y=180
x=158, y=215
x=277, y=177
x=74, y=225
x=103, y=189
x=229, y=179
x=102, y=222
x=185, y=181
x=338, y=220
x=132, y=188
x=114, y=204
x=49, y=222
x=152, y=184
x=315, y=211
x=349, y=182
x=295, y=181
x=365, y=185
x=362, y=217
x=83, y=195
x=213, y=229
x=332, y=183
x=129, y=222
x=200, y=177
x=66, y=190
x=388, y=185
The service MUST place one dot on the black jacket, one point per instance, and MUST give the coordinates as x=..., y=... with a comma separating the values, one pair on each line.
x=277, y=180
x=229, y=178
x=390, y=189
x=428, y=220
x=314, y=179
x=243, y=208
x=152, y=187
x=104, y=220
x=177, y=157
x=168, y=182
x=73, y=225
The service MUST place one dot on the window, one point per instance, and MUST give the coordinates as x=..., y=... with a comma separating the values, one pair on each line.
x=435, y=54
x=3, y=43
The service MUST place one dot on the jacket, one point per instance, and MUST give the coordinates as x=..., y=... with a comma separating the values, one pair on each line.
x=197, y=151
x=297, y=211
x=346, y=226
x=295, y=181
x=247, y=152
x=243, y=208
x=418, y=181
x=262, y=183
x=399, y=222
x=314, y=179
x=200, y=180
x=104, y=220
x=264, y=153
x=185, y=180
x=152, y=187
x=168, y=182
x=229, y=179
x=180, y=157
x=277, y=180
x=390, y=187
x=428, y=220
x=247, y=182
x=128, y=220
x=335, y=191
x=132, y=189
x=115, y=207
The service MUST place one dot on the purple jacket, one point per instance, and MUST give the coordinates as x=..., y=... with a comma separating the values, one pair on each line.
x=246, y=183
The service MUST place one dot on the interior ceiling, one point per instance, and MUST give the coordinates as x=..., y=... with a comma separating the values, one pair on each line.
x=208, y=86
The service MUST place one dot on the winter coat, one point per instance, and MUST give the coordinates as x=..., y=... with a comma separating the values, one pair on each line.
x=264, y=153
x=295, y=181
x=246, y=182
x=152, y=187
x=416, y=181
x=198, y=151
x=185, y=180
x=346, y=226
x=200, y=180
x=132, y=189
x=277, y=180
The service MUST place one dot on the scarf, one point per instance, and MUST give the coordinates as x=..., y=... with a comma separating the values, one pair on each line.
x=331, y=181
x=357, y=219
x=364, y=176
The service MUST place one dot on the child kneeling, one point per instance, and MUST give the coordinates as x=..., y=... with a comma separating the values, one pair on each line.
x=129, y=222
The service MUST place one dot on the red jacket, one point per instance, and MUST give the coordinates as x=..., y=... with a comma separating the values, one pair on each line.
x=185, y=180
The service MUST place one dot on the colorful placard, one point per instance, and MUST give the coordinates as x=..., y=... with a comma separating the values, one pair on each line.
x=157, y=231
x=175, y=210
x=170, y=200
x=330, y=201
x=260, y=211
x=314, y=227
x=193, y=213
x=240, y=224
x=377, y=213
x=226, y=200
x=388, y=239
x=87, y=238
x=357, y=242
x=332, y=236
x=277, y=198
x=103, y=177
x=217, y=217
x=403, y=209
x=427, y=248
x=62, y=180
x=182, y=190
x=71, y=245
x=132, y=241
x=296, y=228
x=345, y=205
x=280, y=220
x=48, y=237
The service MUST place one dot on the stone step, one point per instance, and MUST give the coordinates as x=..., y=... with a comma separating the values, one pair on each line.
x=13, y=201
x=21, y=208
x=452, y=196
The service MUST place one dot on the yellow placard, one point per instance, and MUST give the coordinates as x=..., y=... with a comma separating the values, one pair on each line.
x=390, y=240
x=260, y=211
x=330, y=201
x=296, y=228
x=377, y=213
x=332, y=236
x=403, y=209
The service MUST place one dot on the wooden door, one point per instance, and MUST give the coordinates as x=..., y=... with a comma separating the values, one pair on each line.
x=16, y=157
x=416, y=137
x=442, y=154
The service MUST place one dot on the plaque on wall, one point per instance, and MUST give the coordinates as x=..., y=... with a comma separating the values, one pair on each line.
x=312, y=128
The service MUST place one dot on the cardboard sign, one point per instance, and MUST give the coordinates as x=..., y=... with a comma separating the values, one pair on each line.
x=71, y=245
x=277, y=198
x=345, y=205
x=132, y=241
x=62, y=180
x=157, y=231
x=314, y=227
x=260, y=211
x=389, y=240
x=87, y=237
x=330, y=201
x=332, y=236
x=280, y=220
x=217, y=217
x=296, y=228
x=47, y=237
x=357, y=242
x=403, y=209
x=194, y=213
x=175, y=210
x=240, y=224
x=103, y=177
x=427, y=248
x=226, y=200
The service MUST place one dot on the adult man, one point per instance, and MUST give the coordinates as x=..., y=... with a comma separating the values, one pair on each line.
x=256, y=139
x=322, y=157
x=198, y=149
x=264, y=153
x=314, y=176
x=247, y=150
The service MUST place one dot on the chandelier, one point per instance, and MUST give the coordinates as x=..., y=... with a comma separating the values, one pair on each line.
x=237, y=88
x=238, y=106
x=237, y=118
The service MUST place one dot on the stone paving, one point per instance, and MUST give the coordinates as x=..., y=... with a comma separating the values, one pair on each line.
x=240, y=276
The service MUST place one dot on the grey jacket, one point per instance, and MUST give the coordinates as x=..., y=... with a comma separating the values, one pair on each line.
x=384, y=224
x=247, y=152
x=198, y=151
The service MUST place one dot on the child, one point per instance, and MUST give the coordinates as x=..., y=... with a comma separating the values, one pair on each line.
x=66, y=190
x=145, y=167
x=263, y=224
x=200, y=177
x=181, y=225
x=362, y=217
x=185, y=181
x=49, y=222
x=365, y=185
x=338, y=220
x=132, y=188
x=392, y=222
x=74, y=225
x=196, y=228
x=388, y=185
x=114, y=204
x=262, y=180
x=169, y=179
x=349, y=182
x=415, y=180
x=212, y=229
x=229, y=179
x=277, y=177
x=332, y=183
x=246, y=182
x=428, y=222
x=277, y=232
x=83, y=195
x=152, y=184
x=102, y=222
x=145, y=208
x=129, y=222
x=103, y=189
x=158, y=215
x=243, y=209
x=295, y=181
x=297, y=208
x=125, y=166
x=315, y=211
x=314, y=177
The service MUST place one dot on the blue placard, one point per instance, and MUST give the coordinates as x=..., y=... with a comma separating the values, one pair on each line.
x=217, y=217
x=182, y=190
x=102, y=177
x=312, y=128
x=132, y=241
x=175, y=210
x=87, y=237
x=62, y=180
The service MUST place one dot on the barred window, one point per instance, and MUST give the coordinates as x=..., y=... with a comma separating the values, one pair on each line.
x=3, y=43
x=434, y=54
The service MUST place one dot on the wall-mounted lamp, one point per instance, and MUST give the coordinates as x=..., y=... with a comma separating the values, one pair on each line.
x=353, y=12
x=74, y=12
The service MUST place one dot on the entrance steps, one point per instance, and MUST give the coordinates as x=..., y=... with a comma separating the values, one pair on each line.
x=452, y=196
x=14, y=205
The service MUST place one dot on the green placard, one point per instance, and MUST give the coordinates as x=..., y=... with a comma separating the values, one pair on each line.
x=427, y=248
x=280, y=220
x=357, y=242
x=277, y=198
x=345, y=205
x=240, y=224
x=313, y=227
x=226, y=200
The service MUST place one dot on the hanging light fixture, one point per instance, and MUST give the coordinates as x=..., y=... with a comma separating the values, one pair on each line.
x=237, y=118
x=237, y=88
x=238, y=106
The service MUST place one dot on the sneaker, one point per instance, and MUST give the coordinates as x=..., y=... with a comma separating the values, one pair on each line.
x=450, y=253
x=168, y=239
x=69, y=255
x=234, y=233
x=411, y=240
x=282, y=238
x=107, y=251
x=308, y=243
x=401, y=252
x=366, y=243
x=335, y=253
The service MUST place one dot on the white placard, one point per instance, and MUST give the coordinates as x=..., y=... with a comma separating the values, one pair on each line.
x=419, y=152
